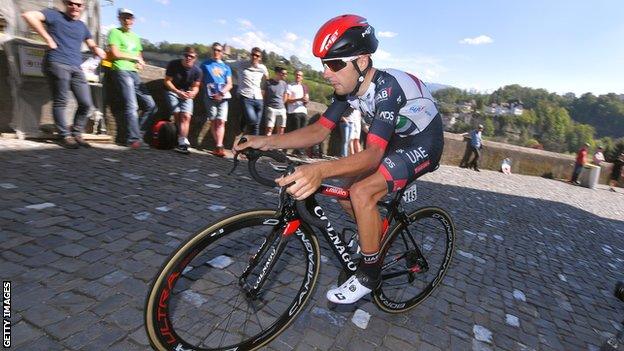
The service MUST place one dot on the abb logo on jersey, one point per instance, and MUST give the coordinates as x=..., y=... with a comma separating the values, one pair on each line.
x=383, y=95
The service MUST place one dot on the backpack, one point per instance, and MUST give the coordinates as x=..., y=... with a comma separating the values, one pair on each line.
x=164, y=135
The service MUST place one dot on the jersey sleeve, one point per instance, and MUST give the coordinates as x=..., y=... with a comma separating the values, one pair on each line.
x=389, y=99
x=332, y=115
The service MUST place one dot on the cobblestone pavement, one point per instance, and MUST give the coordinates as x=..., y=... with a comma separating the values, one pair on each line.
x=84, y=231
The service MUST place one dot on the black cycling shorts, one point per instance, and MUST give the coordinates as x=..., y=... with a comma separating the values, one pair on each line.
x=408, y=158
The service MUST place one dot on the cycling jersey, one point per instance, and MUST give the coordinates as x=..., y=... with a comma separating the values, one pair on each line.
x=401, y=113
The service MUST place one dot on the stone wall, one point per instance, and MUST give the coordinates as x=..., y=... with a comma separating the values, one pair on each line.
x=524, y=160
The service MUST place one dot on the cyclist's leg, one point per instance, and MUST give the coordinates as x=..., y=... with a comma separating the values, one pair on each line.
x=364, y=196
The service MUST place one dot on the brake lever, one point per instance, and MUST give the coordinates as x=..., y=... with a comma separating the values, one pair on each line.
x=240, y=141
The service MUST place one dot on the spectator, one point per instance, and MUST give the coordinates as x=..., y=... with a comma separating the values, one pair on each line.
x=275, y=95
x=581, y=159
x=296, y=101
x=182, y=80
x=64, y=34
x=616, y=172
x=356, y=131
x=218, y=83
x=506, y=166
x=476, y=145
x=250, y=79
x=598, y=156
x=126, y=54
x=346, y=125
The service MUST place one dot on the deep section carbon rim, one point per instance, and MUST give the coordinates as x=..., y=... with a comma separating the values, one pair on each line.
x=199, y=301
x=417, y=256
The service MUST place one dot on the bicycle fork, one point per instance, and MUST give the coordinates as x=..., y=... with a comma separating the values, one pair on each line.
x=251, y=290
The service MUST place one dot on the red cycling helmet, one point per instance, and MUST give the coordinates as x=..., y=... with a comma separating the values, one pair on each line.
x=344, y=36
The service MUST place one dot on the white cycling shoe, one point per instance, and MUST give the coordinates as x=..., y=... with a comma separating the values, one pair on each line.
x=349, y=292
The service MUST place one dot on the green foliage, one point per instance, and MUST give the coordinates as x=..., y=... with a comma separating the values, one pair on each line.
x=559, y=123
x=488, y=127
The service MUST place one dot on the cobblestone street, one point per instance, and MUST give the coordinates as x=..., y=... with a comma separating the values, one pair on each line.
x=84, y=231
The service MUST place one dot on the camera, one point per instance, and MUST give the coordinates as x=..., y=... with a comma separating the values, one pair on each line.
x=619, y=291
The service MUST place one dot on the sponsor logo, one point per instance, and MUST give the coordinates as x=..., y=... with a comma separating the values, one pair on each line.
x=270, y=221
x=399, y=99
x=383, y=94
x=387, y=115
x=390, y=304
x=389, y=163
x=310, y=274
x=368, y=31
x=161, y=313
x=328, y=41
x=336, y=240
x=417, y=155
x=416, y=108
x=218, y=232
x=265, y=269
x=332, y=190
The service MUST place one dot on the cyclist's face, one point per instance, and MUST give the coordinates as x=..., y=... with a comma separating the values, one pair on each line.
x=344, y=80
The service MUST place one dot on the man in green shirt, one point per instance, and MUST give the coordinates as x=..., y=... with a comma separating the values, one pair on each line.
x=125, y=50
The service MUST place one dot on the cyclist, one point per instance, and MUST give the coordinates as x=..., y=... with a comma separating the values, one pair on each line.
x=405, y=138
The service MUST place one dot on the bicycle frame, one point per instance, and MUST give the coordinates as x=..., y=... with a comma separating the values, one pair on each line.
x=336, y=241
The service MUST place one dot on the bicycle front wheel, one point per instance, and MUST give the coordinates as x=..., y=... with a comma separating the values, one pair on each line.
x=416, y=255
x=237, y=284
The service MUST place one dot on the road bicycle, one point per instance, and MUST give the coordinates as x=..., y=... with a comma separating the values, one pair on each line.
x=239, y=282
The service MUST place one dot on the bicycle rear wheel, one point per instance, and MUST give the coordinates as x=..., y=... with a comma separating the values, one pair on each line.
x=416, y=256
x=204, y=297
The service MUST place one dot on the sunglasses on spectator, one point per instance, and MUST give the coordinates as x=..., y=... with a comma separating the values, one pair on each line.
x=189, y=56
x=255, y=55
x=71, y=3
x=217, y=50
x=336, y=64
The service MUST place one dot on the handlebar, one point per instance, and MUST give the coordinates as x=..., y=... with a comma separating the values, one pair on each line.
x=253, y=155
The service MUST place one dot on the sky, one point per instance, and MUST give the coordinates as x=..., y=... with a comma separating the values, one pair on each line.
x=561, y=46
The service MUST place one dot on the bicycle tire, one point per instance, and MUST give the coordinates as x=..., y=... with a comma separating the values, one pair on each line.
x=402, y=262
x=184, y=303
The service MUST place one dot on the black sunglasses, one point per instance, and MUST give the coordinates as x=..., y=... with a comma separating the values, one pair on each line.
x=190, y=56
x=255, y=55
x=217, y=50
x=337, y=64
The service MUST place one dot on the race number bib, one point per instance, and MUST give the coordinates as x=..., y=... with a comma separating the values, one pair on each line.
x=410, y=194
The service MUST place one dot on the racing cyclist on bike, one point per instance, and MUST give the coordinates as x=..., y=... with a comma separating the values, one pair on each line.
x=405, y=138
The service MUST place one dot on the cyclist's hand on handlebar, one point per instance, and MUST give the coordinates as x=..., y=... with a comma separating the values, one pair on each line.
x=253, y=141
x=305, y=180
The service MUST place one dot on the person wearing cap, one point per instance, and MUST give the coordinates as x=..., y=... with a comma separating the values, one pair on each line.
x=581, y=159
x=64, y=33
x=217, y=80
x=405, y=139
x=476, y=144
x=126, y=54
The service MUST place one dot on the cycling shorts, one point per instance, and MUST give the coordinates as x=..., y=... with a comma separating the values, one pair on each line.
x=408, y=158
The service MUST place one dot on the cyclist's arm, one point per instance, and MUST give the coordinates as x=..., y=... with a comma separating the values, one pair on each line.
x=303, y=137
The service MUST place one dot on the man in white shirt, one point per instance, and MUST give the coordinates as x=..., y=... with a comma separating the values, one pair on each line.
x=297, y=99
